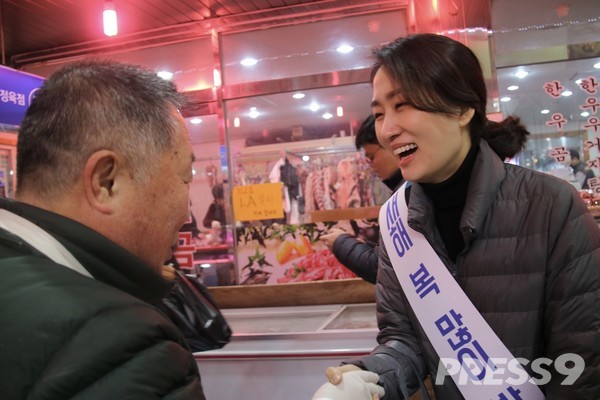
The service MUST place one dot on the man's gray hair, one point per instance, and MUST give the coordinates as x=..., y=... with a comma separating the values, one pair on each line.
x=89, y=106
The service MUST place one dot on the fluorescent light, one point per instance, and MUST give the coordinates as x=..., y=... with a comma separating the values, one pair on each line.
x=344, y=49
x=597, y=65
x=109, y=16
x=313, y=107
x=196, y=121
x=521, y=74
x=505, y=99
x=166, y=75
x=205, y=265
x=253, y=112
x=236, y=122
x=249, y=61
x=585, y=114
x=217, y=77
x=298, y=95
x=566, y=93
x=327, y=115
x=339, y=111
x=545, y=111
x=512, y=87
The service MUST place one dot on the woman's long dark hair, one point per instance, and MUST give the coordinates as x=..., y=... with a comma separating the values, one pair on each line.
x=437, y=74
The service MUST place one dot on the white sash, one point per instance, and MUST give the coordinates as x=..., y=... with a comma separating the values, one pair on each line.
x=41, y=240
x=451, y=322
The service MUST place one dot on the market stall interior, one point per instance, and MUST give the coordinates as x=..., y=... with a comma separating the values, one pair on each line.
x=284, y=112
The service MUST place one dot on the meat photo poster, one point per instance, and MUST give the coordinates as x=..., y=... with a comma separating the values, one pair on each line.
x=273, y=253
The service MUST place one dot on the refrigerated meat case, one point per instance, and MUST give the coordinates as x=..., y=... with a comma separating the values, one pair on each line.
x=283, y=352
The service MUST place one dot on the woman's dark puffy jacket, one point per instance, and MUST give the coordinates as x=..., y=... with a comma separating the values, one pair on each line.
x=531, y=266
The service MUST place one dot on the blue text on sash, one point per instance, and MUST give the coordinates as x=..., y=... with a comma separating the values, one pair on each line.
x=462, y=344
x=397, y=231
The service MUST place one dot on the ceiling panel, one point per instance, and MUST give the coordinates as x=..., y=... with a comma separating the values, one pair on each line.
x=46, y=26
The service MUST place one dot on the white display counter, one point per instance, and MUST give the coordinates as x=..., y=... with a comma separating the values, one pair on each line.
x=282, y=352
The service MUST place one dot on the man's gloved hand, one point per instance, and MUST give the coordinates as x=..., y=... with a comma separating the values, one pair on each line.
x=354, y=385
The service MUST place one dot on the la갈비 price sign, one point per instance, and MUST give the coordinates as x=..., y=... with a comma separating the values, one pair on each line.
x=256, y=202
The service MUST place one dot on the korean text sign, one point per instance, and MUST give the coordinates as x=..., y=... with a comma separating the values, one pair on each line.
x=17, y=90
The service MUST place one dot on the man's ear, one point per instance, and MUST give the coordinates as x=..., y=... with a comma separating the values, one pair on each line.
x=465, y=117
x=101, y=170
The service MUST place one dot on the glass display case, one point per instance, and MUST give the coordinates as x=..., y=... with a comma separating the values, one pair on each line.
x=296, y=344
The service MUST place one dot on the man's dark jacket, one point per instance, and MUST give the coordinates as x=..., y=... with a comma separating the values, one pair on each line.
x=67, y=336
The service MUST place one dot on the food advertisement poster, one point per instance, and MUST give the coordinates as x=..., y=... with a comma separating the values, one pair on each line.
x=281, y=253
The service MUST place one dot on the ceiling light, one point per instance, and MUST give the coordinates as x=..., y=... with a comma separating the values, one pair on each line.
x=109, y=17
x=521, y=74
x=344, y=49
x=505, y=99
x=305, y=158
x=166, y=75
x=298, y=95
x=545, y=111
x=205, y=265
x=512, y=87
x=597, y=65
x=196, y=121
x=566, y=93
x=339, y=111
x=585, y=114
x=578, y=81
x=327, y=115
x=217, y=77
x=313, y=107
x=193, y=171
x=253, y=112
x=248, y=62
x=236, y=122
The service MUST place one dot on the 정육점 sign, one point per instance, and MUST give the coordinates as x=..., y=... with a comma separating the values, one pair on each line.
x=256, y=202
x=17, y=90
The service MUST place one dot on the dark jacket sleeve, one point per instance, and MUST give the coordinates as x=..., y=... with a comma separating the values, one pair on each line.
x=359, y=257
x=572, y=314
x=397, y=359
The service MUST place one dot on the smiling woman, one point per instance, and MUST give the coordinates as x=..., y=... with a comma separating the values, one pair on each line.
x=503, y=232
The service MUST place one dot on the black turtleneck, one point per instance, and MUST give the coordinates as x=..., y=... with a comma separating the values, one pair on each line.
x=394, y=181
x=449, y=199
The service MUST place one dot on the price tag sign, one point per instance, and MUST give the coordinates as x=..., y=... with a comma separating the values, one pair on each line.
x=256, y=202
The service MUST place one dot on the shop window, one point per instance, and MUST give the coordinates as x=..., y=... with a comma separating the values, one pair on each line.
x=306, y=49
x=206, y=242
x=189, y=64
x=559, y=104
x=296, y=174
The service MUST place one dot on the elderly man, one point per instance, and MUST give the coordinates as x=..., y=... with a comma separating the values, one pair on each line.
x=104, y=166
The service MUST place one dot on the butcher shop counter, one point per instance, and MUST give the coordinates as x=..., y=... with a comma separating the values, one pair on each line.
x=282, y=352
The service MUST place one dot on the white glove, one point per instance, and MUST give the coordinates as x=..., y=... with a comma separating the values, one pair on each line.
x=355, y=385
